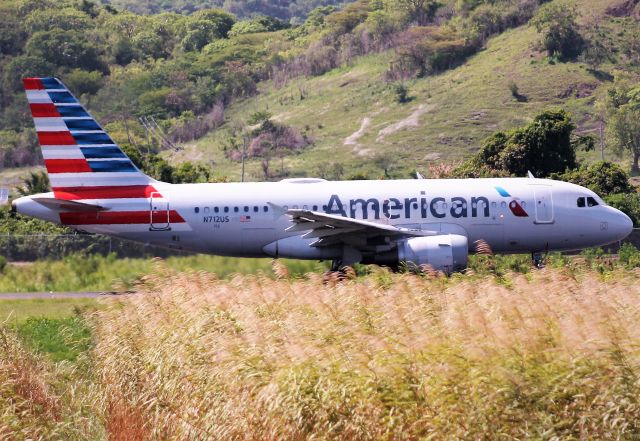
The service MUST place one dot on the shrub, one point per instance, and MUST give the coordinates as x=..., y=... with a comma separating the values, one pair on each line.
x=401, y=93
x=544, y=146
x=628, y=203
x=604, y=178
x=560, y=36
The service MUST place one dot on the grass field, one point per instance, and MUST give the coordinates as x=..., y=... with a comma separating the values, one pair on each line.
x=97, y=273
x=544, y=354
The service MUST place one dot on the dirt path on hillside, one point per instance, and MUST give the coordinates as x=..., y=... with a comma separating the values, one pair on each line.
x=412, y=120
x=354, y=137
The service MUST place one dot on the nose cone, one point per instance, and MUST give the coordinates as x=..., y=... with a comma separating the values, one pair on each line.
x=621, y=225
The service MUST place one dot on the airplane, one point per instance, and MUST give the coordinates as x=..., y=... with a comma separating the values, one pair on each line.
x=96, y=188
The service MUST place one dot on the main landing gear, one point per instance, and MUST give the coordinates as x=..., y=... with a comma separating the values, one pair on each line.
x=338, y=272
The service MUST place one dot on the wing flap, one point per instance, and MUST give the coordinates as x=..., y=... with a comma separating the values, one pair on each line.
x=331, y=229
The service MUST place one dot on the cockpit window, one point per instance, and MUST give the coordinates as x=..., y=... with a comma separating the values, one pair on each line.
x=587, y=202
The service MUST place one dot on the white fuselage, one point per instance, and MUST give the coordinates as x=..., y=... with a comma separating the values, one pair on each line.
x=248, y=219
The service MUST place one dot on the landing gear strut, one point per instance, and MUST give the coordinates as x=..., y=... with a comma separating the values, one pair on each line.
x=538, y=259
x=336, y=264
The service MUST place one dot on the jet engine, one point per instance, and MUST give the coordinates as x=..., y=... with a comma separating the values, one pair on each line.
x=444, y=252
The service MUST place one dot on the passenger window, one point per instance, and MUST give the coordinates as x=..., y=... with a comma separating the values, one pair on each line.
x=236, y=209
x=315, y=208
x=196, y=210
x=216, y=209
x=494, y=205
x=256, y=209
x=591, y=202
x=226, y=209
x=246, y=209
x=265, y=208
x=206, y=210
x=581, y=203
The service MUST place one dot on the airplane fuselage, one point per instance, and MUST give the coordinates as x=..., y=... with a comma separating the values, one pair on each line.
x=512, y=215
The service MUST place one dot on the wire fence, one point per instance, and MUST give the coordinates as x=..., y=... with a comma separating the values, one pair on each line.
x=31, y=247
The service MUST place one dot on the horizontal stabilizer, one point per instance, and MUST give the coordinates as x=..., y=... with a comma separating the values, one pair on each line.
x=68, y=206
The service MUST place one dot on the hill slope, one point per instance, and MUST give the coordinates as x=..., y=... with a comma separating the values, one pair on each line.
x=354, y=119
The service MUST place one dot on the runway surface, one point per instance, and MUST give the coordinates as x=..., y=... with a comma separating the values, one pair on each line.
x=56, y=295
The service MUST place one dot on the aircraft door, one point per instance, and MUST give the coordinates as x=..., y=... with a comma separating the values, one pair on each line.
x=159, y=209
x=544, y=204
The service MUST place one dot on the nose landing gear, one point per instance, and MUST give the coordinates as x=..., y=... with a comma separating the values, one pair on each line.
x=538, y=259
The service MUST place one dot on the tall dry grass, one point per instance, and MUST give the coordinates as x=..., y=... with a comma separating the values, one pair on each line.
x=40, y=400
x=548, y=355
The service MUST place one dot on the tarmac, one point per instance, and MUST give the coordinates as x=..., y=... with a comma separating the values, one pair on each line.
x=57, y=295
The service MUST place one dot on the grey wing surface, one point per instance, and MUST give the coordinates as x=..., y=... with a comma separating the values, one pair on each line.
x=330, y=230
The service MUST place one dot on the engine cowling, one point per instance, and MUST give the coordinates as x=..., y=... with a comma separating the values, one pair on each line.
x=444, y=252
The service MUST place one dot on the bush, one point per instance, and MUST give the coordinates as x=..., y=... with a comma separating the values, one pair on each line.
x=401, y=93
x=560, y=35
x=542, y=147
x=629, y=256
x=604, y=178
x=628, y=203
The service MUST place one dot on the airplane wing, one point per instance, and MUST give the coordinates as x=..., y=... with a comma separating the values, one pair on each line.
x=331, y=229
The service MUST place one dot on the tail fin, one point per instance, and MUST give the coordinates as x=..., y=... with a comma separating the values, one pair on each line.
x=82, y=161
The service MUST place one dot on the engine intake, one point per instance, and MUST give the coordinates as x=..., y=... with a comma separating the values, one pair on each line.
x=444, y=252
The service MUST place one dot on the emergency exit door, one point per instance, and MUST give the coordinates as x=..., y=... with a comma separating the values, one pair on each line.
x=544, y=204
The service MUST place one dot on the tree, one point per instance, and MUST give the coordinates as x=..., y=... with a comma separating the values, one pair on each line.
x=419, y=11
x=205, y=26
x=65, y=48
x=628, y=203
x=67, y=19
x=560, y=35
x=602, y=177
x=623, y=128
x=596, y=53
x=544, y=146
x=81, y=81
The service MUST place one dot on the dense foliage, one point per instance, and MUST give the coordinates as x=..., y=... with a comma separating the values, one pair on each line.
x=609, y=181
x=182, y=71
x=604, y=178
x=295, y=10
x=544, y=146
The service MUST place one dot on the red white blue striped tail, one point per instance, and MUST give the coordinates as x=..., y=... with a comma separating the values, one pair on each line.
x=82, y=161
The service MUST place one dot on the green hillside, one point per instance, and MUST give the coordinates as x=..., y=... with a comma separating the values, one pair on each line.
x=283, y=9
x=379, y=88
x=355, y=121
